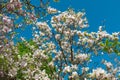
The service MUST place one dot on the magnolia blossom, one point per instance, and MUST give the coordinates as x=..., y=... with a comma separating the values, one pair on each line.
x=115, y=34
x=98, y=73
x=6, y=29
x=23, y=64
x=74, y=74
x=14, y=4
x=90, y=42
x=39, y=54
x=14, y=1
x=52, y=10
x=75, y=67
x=57, y=36
x=7, y=24
x=82, y=57
x=12, y=72
x=44, y=27
x=10, y=7
x=51, y=64
x=84, y=69
x=6, y=20
x=67, y=69
x=108, y=64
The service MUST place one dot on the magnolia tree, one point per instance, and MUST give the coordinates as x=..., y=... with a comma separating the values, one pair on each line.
x=74, y=48
x=61, y=49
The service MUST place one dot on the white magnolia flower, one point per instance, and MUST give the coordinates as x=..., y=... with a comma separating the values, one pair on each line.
x=52, y=10
x=37, y=77
x=37, y=53
x=51, y=64
x=57, y=36
x=6, y=29
x=74, y=74
x=67, y=69
x=12, y=72
x=7, y=20
x=74, y=67
x=84, y=69
x=43, y=26
x=23, y=64
x=108, y=64
x=96, y=73
x=82, y=57
x=90, y=42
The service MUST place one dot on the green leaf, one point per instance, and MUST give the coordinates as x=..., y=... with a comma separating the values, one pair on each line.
x=105, y=49
x=116, y=51
x=107, y=42
x=115, y=43
x=19, y=74
x=102, y=44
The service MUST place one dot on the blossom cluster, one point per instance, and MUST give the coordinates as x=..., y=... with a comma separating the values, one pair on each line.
x=75, y=46
x=44, y=28
x=14, y=4
x=69, y=19
x=7, y=24
x=28, y=64
x=101, y=74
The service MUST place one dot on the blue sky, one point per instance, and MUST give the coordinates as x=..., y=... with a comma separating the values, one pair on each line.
x=97, y=12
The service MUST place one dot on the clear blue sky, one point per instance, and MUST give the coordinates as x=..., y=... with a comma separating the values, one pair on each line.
x=97, y=12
